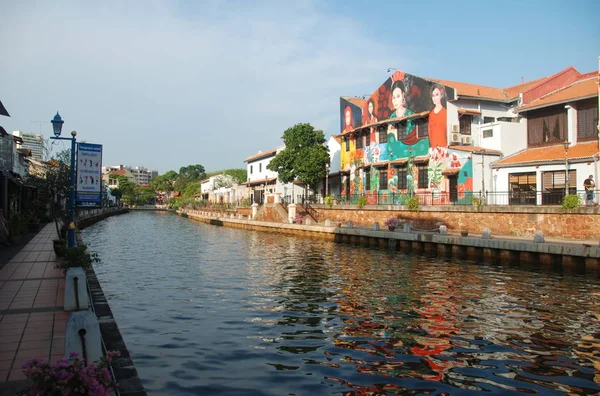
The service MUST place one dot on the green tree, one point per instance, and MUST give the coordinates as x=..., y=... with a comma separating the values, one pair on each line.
x=238, y=175
x=192, y=172
x=191, y=189
x=304, y=157
x=165, y=182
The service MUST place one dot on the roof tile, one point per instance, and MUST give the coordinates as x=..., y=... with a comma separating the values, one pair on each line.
x=550, y=153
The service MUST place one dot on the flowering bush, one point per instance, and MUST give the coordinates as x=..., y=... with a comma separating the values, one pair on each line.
x=70, y=377
x=391, y=222
x=298, y=219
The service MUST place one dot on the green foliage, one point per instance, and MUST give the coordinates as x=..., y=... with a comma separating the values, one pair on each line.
x=304, y=157
x=192, y=173
x=191, y=189
x=477, y=202
x=239, y=175
x=361, y=202
x=571, y=201
x=413, y=204
x=329, y=200
x=175, y=203
x=17, y=224
x=77, y=256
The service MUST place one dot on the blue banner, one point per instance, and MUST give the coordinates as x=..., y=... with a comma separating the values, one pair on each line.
x=89, y=175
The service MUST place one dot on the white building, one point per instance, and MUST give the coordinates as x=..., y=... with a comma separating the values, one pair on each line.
x=33, y=142
x=561, y=115
x=140, y=175
x=263, y=181
x=223, y=189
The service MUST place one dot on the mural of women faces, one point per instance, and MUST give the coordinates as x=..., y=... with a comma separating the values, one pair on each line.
x=350, y=115
x=438, y=119
x=399, y=105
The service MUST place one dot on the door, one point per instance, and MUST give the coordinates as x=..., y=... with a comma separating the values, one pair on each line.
x=453, y=181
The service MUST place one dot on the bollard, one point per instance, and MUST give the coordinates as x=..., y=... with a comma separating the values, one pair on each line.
x=76, y=295
x=538, y=237
x=443, y=230
x=291, y=213
x=350, y=224
x=83, y=336
x=486, y=234
x=327, y=223
x=406, y=227
x=376, y=226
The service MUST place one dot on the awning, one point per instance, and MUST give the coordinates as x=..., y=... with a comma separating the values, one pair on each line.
x=468, y=112
x=451, y=172
x=421, y=160
x=261, y=181
x=380, y=164
x=399, y=162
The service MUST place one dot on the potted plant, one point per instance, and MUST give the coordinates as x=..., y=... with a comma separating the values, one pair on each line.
x=391, y=223
x=464, y=232
x=77, y=256
x=17, y=226
x=298, y=219
x=70, y=377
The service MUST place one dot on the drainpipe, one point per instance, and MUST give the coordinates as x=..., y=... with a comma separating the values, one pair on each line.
x=596, y=156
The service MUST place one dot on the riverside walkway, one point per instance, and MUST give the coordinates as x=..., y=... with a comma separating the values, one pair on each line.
x=32, y=320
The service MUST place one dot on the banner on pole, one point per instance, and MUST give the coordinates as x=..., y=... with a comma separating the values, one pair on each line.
x=89, y=175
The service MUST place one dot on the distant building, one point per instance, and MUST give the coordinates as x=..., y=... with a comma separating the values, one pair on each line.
x=141, y=175
x=33, y=142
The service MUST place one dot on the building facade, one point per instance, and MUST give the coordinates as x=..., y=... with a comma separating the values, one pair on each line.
x=33, y=142
x=141, y=175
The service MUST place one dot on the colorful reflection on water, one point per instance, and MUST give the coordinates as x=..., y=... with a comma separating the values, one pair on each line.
x=212, y=310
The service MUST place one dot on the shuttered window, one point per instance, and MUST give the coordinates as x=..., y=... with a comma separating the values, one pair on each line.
x=358, y=142
x=402, y=182
x=368, y=178
x=347, y=140
x=422, y=128
x=423, y=176
x=401, y=130
x=368, y=139
x=587, y=120
x=383, y=179
x=547, y=125
x=465, y=124
x=382, y=135
x=556, y=179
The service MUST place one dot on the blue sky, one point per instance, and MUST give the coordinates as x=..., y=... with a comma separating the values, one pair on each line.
x=165, y=84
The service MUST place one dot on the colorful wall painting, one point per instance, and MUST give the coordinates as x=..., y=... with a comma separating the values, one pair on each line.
x=401, y=96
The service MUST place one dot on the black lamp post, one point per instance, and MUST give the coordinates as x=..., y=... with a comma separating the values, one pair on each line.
x=57, y=124
x=566, y=145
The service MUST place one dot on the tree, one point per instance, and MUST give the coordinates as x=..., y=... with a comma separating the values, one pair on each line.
x=238, y=175
x=192, y=172
x=224, y=181
x=165, y=182
x=191, y=189
x=304, y=157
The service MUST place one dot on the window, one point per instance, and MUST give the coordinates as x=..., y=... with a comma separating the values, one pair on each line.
x=487, y=120
x=347, y=140
x=358, y=142
x=465, y=124
x=368, y=179
x=368, y=139
x=382, y=135
x=383, y=179
x=250, y=169
x=423, y=176
x=401, y=134
x=260, y=167
x=488, y=133
x=522, y=188
x=422, y=128
x=553, y=186
x=547, y=125
x=402, y=182
x=587, y=119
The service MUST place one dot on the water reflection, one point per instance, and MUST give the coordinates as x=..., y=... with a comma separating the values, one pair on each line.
x=212, y=310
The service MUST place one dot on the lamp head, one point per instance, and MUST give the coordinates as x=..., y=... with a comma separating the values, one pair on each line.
x=566, y=144
x=57, y=124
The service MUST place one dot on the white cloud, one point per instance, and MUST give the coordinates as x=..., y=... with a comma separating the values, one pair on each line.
x=165, y=87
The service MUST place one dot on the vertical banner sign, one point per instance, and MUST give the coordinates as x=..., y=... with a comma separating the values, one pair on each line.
x=89, y=175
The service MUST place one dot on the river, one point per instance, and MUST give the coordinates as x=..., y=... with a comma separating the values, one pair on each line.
x=215, y=310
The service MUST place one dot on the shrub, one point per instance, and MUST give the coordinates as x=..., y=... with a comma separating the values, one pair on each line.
x=362, y=201
x=298, y=219
x=571, y=201
x=412, y=203
x=70, y=377
x=329, y=200
x=77, y=256
x=391, y=222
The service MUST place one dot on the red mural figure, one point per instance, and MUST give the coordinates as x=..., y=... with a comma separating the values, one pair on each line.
x=437, y=117
x=370, y=117
x=348, y=121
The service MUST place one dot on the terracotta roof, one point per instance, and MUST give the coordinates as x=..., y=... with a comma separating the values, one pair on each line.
x=254, y=182
x=121, y=172
x=580, y=89
x=514, y=91
x=24, y=151
x=476, y=149
x=469, y=111
x=261, y=155
x=580, y=151
x=354, y=100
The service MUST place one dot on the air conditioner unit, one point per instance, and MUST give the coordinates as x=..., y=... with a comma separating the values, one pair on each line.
x=454, y=138
x=467, y=140
x=455, y=128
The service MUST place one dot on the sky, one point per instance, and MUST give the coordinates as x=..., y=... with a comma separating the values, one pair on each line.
x=165, y=84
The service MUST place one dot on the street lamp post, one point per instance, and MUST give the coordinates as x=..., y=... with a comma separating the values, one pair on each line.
x=57, y=124
x=326, y=180
x=566, y=145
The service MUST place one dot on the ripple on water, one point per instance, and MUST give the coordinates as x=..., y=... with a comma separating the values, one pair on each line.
x=213, y=310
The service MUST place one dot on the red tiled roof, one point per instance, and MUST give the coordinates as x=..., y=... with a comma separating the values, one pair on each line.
x=475, y=149
x=580, y=151
x=121, y=172
x=514, y=91
x=261, y=155
x=580, y=89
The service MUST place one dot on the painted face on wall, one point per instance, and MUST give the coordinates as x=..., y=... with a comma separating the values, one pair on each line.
x=436, y=97
x=371, y=108
x=348, y=118
x=397, y=98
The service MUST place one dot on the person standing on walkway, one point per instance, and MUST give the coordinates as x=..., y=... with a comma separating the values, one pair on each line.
x=589, y=186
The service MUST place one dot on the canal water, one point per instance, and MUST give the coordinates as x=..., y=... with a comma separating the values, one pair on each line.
x=211, y=310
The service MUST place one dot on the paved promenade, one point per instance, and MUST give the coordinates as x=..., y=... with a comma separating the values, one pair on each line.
x=32, y=320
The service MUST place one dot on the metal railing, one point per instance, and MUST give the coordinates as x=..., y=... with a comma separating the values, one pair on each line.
x=498, y=198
